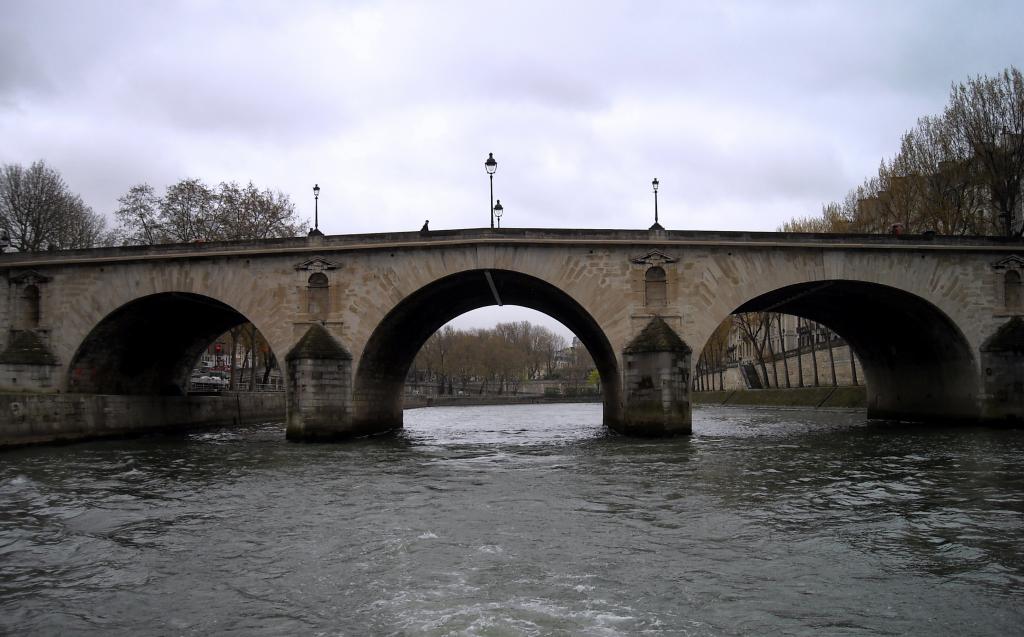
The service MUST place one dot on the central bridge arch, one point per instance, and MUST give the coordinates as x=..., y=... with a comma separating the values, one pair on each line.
x=394, y=343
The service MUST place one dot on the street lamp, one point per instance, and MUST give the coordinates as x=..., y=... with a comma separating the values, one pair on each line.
x=316, y=212
x=498, y=211
x=490, y=166
x=656, y=226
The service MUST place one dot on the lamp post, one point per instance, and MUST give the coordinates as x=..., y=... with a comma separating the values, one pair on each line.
x=498, y=211
x=316, y=205
x=316, y=212
x=656, y=226
x=490, y=166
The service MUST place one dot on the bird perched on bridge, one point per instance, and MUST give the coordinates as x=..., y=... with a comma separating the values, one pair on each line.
x=425, y=228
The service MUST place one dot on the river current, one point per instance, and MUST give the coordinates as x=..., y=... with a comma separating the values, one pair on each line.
x=526, y=520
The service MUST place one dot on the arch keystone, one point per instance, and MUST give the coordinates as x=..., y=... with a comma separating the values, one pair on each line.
x=657, y=383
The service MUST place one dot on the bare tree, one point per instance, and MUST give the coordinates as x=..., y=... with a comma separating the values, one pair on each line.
x=958, y=173
x=186, y=212
x=814, y=349
x=550, y=345
x=782, y=347
x=236, y=337
x=433, y=358
x=831, y=355
x=799, y=353
x=754, y=327
x=989, y=113
x=138, y=216
x=191, y=211
x=769, y=318
x=37, y=211
x=713, y=359
x=246, y=212
x=937, y=164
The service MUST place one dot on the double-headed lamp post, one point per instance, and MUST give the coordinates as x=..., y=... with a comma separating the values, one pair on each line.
x=490, y=166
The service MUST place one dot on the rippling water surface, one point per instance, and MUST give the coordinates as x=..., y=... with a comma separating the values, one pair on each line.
x=524, y=520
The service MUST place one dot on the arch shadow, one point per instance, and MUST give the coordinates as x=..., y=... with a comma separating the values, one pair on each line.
x=391, y=348
x=917, y=362
x=149, y=345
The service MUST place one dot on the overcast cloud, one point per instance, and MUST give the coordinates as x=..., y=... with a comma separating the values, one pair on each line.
x=749, y=113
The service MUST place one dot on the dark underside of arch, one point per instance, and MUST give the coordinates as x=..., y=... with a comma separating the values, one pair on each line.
x=917, y=362
x=396, y=341
x=148, y=346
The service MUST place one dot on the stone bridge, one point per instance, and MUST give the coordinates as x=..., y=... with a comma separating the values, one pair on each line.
x=936, y=321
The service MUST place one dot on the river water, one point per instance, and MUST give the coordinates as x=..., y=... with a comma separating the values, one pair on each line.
x=526, y=520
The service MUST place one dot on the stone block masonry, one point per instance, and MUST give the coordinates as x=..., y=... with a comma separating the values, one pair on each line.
x=320, y=388
x=657, y=379
x=36, y=418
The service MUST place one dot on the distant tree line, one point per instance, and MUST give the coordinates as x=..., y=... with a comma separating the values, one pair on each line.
x=958, y=173
x=499, y=359
x=39, y=212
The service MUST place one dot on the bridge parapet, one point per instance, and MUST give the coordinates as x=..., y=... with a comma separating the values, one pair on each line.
x=510, y=236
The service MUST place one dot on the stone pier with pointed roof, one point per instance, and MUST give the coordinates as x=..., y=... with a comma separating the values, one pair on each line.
x=656, y=376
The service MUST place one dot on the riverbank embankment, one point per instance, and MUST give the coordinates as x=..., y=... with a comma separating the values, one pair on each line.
x=806, y=397
x=803, y=397
x=40, y=418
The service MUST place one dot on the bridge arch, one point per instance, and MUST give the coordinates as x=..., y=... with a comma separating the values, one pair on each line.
x=395, y=341
x=918, y=363
x=149, y=345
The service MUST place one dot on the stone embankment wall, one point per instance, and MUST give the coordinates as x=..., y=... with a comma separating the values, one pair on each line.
x=841, y=356
x=37, y=418
x=733, y=379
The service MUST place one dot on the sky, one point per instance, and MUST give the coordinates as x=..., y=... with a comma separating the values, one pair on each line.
x=748, y=113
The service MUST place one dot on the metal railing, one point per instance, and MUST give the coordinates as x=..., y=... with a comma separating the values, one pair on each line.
x=242, y=388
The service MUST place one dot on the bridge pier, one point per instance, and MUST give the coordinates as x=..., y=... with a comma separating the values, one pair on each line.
x=1002, y=368
x=657, y=383
x=319, y=388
